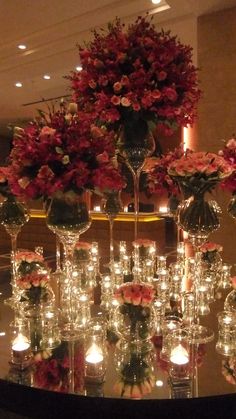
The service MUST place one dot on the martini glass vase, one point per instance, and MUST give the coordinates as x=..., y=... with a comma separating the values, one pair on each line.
x=13, y=215
x=135, y=144
x=68, y=217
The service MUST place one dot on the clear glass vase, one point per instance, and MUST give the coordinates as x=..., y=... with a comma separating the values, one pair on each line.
x=136, y=142
x=68, y=217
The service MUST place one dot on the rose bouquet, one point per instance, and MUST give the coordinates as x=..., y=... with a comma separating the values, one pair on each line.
x=28, y=262
x=82, y=252
x=35, y=286
x=135, y=306
x=145, y=248
x=65, y=153
x=133, y=77
x=210, y=251
x=51, y=369
x=198, y=172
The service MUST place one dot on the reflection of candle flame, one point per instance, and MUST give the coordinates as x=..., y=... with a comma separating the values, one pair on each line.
x=94, y=354
x=20, y=343
x=179, y=355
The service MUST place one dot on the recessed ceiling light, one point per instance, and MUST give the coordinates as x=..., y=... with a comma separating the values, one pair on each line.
x=46, y=77
x=79, y=68
x=18, y=84
x=22, y=46
x=2, y=333
x=156, y=1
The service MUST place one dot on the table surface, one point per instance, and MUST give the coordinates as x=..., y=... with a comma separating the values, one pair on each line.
x=208, y=381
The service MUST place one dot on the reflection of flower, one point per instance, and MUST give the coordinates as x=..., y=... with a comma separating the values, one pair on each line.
x=143, y=242
x=4, y=175
x=28, y=262
x=137, y=75
x=62, y=155
x=210, y=251
x=52, y=370
x=136, y=378
x=82, y=251
x=229, y=369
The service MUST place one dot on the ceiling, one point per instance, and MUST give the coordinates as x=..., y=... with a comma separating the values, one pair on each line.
x=51, y=29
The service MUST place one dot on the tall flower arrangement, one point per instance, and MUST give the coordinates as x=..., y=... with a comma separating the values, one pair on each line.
x=139, y=74
x=62, y=153
x=229, y=154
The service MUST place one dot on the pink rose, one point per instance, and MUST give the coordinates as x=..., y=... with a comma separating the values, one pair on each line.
x=117, y=87
x=125, y=102
x=231, y=144
x=115, y=100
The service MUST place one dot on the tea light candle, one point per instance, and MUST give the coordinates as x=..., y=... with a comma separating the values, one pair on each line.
x=94, y=354
x=20, y=350
x=179, y=355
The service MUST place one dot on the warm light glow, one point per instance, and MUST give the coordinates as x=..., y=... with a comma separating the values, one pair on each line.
x=20, y=343
x=163, y=210
x=156, y=1
x=159, y=383
x=22, y=46
x=46, y=77
x=79, y=68
x=97, y=208
x=94, y=354
x=18, y=84
x=186, y=138
x=2, y=334
x=179, y=355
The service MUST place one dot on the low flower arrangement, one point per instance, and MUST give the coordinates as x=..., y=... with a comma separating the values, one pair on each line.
x=135, y=294
x=35, y=286
x=28, y=262
x=209, y=251
x=136, y=76
x=51, y=369
x=198, y=172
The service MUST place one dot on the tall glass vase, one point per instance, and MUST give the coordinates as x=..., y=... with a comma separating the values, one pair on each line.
x=13, y=215
x=68, y=217
x=112, y=206
x=136, y=143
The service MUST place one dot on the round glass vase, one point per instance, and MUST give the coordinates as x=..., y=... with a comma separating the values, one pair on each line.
x=230, y=301
x=68, y=217
x=135, y=143
x=198, y=217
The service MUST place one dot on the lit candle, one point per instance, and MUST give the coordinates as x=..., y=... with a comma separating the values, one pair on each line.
x=20, y=350
x=179, y=355
x=94, y=354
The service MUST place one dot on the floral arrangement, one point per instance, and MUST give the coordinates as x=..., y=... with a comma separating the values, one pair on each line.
x=4, y=187
x=62, y=152
x=143, y=242
x=137, y=75
x=135, y=294
x=136, y=378
x=158, y=179
x=229, y=154
x=229, y=370
x=35, y=286
x=82, y=251
x=210, y=252
x=200, y=171
x=28, y=262
x=51, y=369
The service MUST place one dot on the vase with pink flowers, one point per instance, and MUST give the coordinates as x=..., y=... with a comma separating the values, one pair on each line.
x=198, y=173
x=135, y=314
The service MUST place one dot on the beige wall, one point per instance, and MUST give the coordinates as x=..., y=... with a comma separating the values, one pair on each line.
x=217, y=110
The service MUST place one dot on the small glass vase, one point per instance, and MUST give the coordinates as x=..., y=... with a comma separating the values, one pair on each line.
x=112, y=206
x=68, y=217
x=230, y=301
x=136, y=142
x=232, y=206
x=13, y=215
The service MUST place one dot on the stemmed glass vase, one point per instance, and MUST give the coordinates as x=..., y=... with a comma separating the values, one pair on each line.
x=136, y=143
x=13, y=215
x=112, y=206
x=68, y=217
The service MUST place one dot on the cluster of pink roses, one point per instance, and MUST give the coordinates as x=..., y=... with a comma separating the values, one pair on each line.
x=4, y=175
x=143, y=242
x=208, y=165
x=28, y=256
x=211, y=247
x=135, y=294
x=138, y=73
x=33, y=280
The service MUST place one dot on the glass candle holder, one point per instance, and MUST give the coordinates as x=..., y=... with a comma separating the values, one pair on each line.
x=169, y=324
x=226, y=344
x=95, y=353
x=225, y=277
x=188, y=310
x=180, y=252
x=21, y=355
x=179, y=355
x=50, y=328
